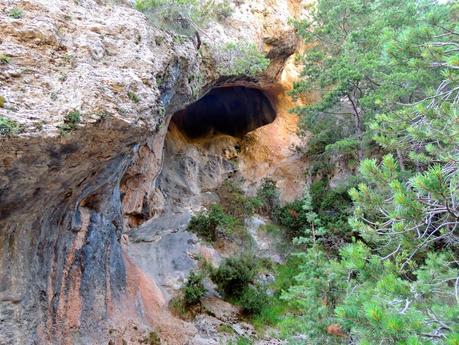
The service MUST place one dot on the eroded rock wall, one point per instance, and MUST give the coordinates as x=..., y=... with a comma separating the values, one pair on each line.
x=64, y=277
x=69, y=197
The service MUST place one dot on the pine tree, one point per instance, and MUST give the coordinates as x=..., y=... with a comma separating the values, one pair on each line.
x=397, y=282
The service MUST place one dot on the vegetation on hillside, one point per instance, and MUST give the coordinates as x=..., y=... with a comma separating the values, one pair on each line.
x=377, y=257
x=388, y=74
x=189, y=18
x=184, y=17
x=244, y=59
x=8, y=126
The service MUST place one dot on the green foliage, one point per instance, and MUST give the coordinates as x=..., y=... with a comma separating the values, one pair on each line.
x=235, y=202
x=253, y=300
x=362, y=60
x=234, y=275
x=396, y=282
x=225, y=328
x=222, y=10
x=133, y=97
x=392, y=209
x=453, y=339
x=313, y=293
x=206, y=224
x=241, y=58
x=421, y=135
x=8, y=126
x=241, y=341
x=16, y=13
x=4, y=59
x=71, y=121
x=183, y=17
x=292, y=217
x=274, y=309
x=187, y=302
x=268, y=195
x=367, y=298
x=194, y=289
x=244, y=341
x=333, y=206
x=346, y=146
x=2, y=102
x=153, y=339
x=301, y=221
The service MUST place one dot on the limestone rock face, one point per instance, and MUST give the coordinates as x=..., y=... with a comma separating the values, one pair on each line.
x=70, y=196
x=64, y=277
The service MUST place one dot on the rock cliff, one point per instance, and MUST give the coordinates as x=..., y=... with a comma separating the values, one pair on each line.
x=93, y=171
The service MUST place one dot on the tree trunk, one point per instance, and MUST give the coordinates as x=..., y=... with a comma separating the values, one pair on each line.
x=358, y=123
x=401, y=162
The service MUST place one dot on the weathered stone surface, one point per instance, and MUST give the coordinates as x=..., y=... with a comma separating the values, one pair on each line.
x=64, y=277
x=73, y=267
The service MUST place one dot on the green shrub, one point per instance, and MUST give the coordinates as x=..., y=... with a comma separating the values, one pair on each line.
x=4, y=59
x=205, y=224
x=178, y=307
x=225, y=328
x=293, y=217
x=16, y=13
x=241, y=341
x=183, y=16
x=320, y=216
x=270, y=228
x=153, y=339
x=194, y=289
x=133, y=97
x=327, y=201
x=8, y=126
x=234, y=274
x=244, y=341
x=71, y=120
x=242, y=58
x=253, y=299
x=235, y=202
x=268, y=194
x=223, y=10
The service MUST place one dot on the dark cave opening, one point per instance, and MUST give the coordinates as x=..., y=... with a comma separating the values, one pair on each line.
x=234, y=111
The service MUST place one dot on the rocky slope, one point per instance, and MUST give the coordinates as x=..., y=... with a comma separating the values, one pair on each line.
x=74, y=267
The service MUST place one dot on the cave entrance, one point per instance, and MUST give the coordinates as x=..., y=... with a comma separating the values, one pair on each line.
x=233, y=111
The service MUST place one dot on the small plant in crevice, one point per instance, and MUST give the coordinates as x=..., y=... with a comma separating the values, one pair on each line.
x=38, y=125
x=223, y=10
x=71, y=120
x=4, y=59
x=16, y=13
x=183, y=17
x=268, y=194
x=225, y=328
x=187, y=302
x=133, y=97
x=193, y=290
x=241, y=341
x=206, y=224
x=152, y=339
x=102, y=115
x=159, y=80
x=235, y=202
x=8, y=126
x=242, y=58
